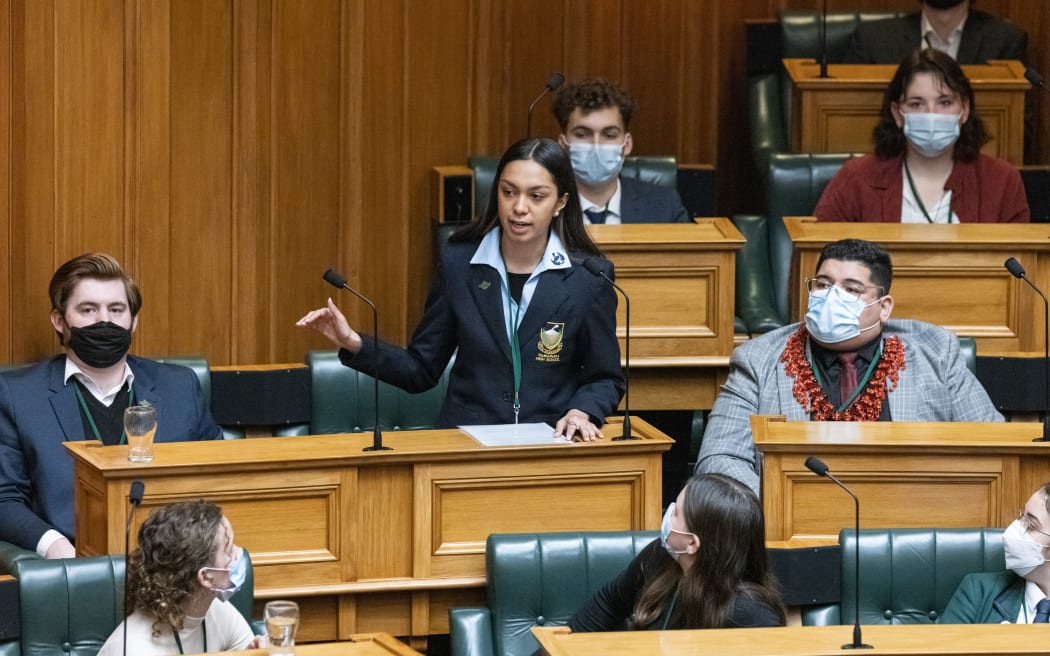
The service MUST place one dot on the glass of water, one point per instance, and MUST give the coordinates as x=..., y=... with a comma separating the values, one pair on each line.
x=140, y=426
x=282, y=621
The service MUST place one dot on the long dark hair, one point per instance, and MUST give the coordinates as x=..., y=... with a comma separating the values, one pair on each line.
x=889, y=138
x=568, y=224
x=727, y=517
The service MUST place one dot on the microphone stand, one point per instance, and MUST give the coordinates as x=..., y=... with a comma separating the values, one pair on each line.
x=138, y=489
x=592, y=265
x=824, y=42
x=1017, y=271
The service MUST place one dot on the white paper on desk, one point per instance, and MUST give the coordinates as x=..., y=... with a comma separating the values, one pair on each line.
x=512, y=434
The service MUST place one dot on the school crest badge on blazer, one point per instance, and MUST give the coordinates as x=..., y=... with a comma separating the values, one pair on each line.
x=549, y=346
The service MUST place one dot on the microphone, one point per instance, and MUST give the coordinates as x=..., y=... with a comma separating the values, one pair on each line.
x=593, y=265
x=332, y=277
x=138, y=490
x=824, y=41
x=1035, y=78
x=817, y=466
x=554, y=82
x=1017, y=271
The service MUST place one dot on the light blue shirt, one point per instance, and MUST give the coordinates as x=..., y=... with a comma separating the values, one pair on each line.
x=554, y=257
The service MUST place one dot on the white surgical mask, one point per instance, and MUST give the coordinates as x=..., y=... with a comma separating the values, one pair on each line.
x=594, y=163
x=238, y=574
x=1023, y=554
x=666, y=530
x=931, y=134
x=831, y=319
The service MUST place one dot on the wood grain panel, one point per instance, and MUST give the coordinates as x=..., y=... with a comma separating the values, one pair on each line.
x=7, y=52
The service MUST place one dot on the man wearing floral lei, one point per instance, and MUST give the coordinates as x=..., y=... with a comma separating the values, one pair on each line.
x=847, y=362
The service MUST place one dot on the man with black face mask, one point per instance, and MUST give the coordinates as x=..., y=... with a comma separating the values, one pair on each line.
x=848, y=361
x=81, y=395
x=969, y=35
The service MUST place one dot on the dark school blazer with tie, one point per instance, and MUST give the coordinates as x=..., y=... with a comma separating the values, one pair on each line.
x=570, y=357
x=984, y=37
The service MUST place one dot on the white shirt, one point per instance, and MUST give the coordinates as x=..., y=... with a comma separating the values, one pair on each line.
x=1032, y=596
x=227, y=630
x=932, y=40
x=912, y=213
x=612, y=208
x=106, y=397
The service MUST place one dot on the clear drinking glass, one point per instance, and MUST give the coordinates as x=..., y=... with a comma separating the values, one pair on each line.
x=140, y=426
x=282, y=621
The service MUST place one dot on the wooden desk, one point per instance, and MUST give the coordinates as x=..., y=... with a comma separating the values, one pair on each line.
x=681, y=280
x=897, y=639
x=906, y=474
x=837, y=114
x=365, y=644
x=950, y=275
x=377, y=541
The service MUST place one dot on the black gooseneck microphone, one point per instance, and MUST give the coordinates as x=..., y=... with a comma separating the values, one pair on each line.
x=817, y=466
x=824, y=41
x=593, y=265
x=1017, y=271
x=554, y=82
x=333, y=278
x=1035, y=78
x=138, y=490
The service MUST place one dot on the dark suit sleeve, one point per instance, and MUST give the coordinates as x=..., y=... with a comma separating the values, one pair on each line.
x=680, y=214
x=18, y=523
x=860, y=51
x=601, y=376
x=750, y=612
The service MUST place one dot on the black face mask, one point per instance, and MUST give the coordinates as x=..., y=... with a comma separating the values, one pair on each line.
x=101, y=344
x=943, y=4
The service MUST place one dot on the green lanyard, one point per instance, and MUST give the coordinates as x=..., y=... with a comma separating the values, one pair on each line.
x=91, y=420
x=670, y=608
x=204, y=631
x=515, y=353
x=860, y=385
x=915, y=192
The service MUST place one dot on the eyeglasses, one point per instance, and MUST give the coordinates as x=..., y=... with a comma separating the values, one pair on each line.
x=849, y=291
x=1028, y=524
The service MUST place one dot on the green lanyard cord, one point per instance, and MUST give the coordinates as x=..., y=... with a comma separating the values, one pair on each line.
x=915, y=192
x=178, y=641
x=515, y=354
x=91, y=420
x=860, y=386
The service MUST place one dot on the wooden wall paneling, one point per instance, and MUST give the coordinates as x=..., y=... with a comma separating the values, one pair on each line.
x=253, y=283
x=489, y=71
x=593, y=46
x=536, y=31
x=309, y=235
x=147, y=181
x=7, y=52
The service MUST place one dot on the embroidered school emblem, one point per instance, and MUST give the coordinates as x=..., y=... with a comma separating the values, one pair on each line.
x=483, y=285
x=557, y=258
x=549, y=346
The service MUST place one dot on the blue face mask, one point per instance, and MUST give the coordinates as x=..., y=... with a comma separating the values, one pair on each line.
x=666, y=531
x=931, y=134
x=831, y=318
x=238, y=574
x=596, y=164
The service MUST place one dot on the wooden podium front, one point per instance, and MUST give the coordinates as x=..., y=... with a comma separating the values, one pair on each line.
x=837, y=114
x=950, y=275
x=377, y=541
x=896, y=639
x=905, y=474
x=681, y=280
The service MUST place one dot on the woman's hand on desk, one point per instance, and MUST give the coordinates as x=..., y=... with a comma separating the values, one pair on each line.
x=576, y=425
x=331, y=323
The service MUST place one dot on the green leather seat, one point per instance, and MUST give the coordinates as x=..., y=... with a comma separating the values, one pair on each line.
x=199, y=365
x=68, y=607
x=538, y=579
x=342, y=400
x=907, y=576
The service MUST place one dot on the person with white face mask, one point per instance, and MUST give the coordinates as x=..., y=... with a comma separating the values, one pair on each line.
x=595, y=116
x=848, y=361
x=1021, y=593
x=927, y=166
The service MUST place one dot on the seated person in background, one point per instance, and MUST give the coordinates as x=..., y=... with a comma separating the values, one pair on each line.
x=535, y=331
x=1017, y=596
x=595, y=116
x=967, y=35
x=708, y=570
x=81, y=395
x=927, y=166
x=180, y=579
x=847, y=362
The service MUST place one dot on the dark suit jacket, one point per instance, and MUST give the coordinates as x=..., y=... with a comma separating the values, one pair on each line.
x=984, y=37
x=985, y=598
x=38, y=412
x=465, y=311
x=644, y=202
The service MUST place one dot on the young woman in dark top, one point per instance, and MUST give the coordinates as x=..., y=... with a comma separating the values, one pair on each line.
x=708, y=569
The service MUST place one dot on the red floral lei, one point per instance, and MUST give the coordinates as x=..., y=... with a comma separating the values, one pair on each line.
x=867, y=406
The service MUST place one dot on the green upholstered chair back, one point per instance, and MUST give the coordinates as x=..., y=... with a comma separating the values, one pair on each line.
x=539, y=579
x=199, y=365
x=756, y=307
x=68, y=607
x=342, y=400
x=908, y=576
x=662, y=171
x=795, y=183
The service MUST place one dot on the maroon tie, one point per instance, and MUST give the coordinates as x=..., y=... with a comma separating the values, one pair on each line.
x=847, y=377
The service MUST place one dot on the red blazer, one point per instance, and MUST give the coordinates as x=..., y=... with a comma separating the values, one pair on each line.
x=871, y=189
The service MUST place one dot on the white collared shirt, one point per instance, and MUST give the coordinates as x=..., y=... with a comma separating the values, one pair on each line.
x=554, y=257
x=106, y=397
x=612, y=208
x=1032, y=596
x=912, y=213
x=932, y=40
